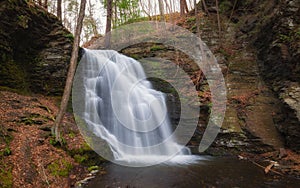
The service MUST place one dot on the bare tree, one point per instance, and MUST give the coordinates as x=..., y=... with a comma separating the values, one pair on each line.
x=150, y=7
x=204, y=7
x=147, y=12
x=155, y=10
x=115, y=13
x=71, y=72
x=218, y=17
x=197, y=84
x=59, y=2
x=191, y=4
x=108, y=23
x=197, y=18
x=183, y=7
x=66, y=21
x=92, y=20
x=231, y=14
x=161, y=10
x=169, y=8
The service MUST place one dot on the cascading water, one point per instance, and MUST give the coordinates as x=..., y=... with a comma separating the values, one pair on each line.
x=122, y=108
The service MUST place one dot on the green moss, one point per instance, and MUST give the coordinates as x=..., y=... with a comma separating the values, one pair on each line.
x=225, y=6
x=55, y=143
x=135, y=20
x=91, y=168
x=298, y=32
x=86, y=156
x=5, y=139
x=6, y=178
x=69, y=36
x=194, y=28
x=23, y=21
x=285, y=38
x=290, y=37
x=81, y=158
x=6, y=151
x=134, y=56
x=35, y=119
x=156, y=48
x=60, y=168
x=191, y=19
x=72, y=134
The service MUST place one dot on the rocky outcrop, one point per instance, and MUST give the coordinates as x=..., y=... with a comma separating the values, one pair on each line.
x=273, y=29
x=35, y=48
x=278, y=44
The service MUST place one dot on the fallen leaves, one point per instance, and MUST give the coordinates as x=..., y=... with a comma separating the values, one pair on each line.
x=31, y=118
x=269, y=167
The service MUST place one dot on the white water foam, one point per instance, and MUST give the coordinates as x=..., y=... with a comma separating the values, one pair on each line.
x=122, y=108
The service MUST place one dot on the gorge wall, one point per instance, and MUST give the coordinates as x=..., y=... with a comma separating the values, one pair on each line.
x=279, y=54
x=273, y=28
x=35, y=49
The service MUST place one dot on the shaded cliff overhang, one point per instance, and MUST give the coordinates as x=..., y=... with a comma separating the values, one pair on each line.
x=35, y=48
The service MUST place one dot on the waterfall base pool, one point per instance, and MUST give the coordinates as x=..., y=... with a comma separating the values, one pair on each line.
x=209, y=172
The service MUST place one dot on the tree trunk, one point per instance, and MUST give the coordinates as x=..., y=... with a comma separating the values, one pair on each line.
x=116, y=14
x=183, y=7
x=144, y=10
x=59, y=9
x=186, y=6
x=108, y=23
x=93, y=22
x=170, y=12
x=71, y=72
x=205, y=7
x=198, y=82
x=218, y=17
x=150, y=9
x=197, y=18
x=161, y=10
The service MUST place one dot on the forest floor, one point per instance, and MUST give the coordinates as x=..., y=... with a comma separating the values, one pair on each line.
x=29, y=155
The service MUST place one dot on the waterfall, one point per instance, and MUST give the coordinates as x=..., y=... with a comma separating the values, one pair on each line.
x=122, y=108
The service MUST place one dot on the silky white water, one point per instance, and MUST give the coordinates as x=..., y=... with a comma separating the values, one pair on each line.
x=122, y=108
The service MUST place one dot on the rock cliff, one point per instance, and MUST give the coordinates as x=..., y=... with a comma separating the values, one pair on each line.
x=35, y=48
x=278, y=44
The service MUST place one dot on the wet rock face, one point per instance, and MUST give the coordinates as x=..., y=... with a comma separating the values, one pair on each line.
x=278, y=44
x=35, y=49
